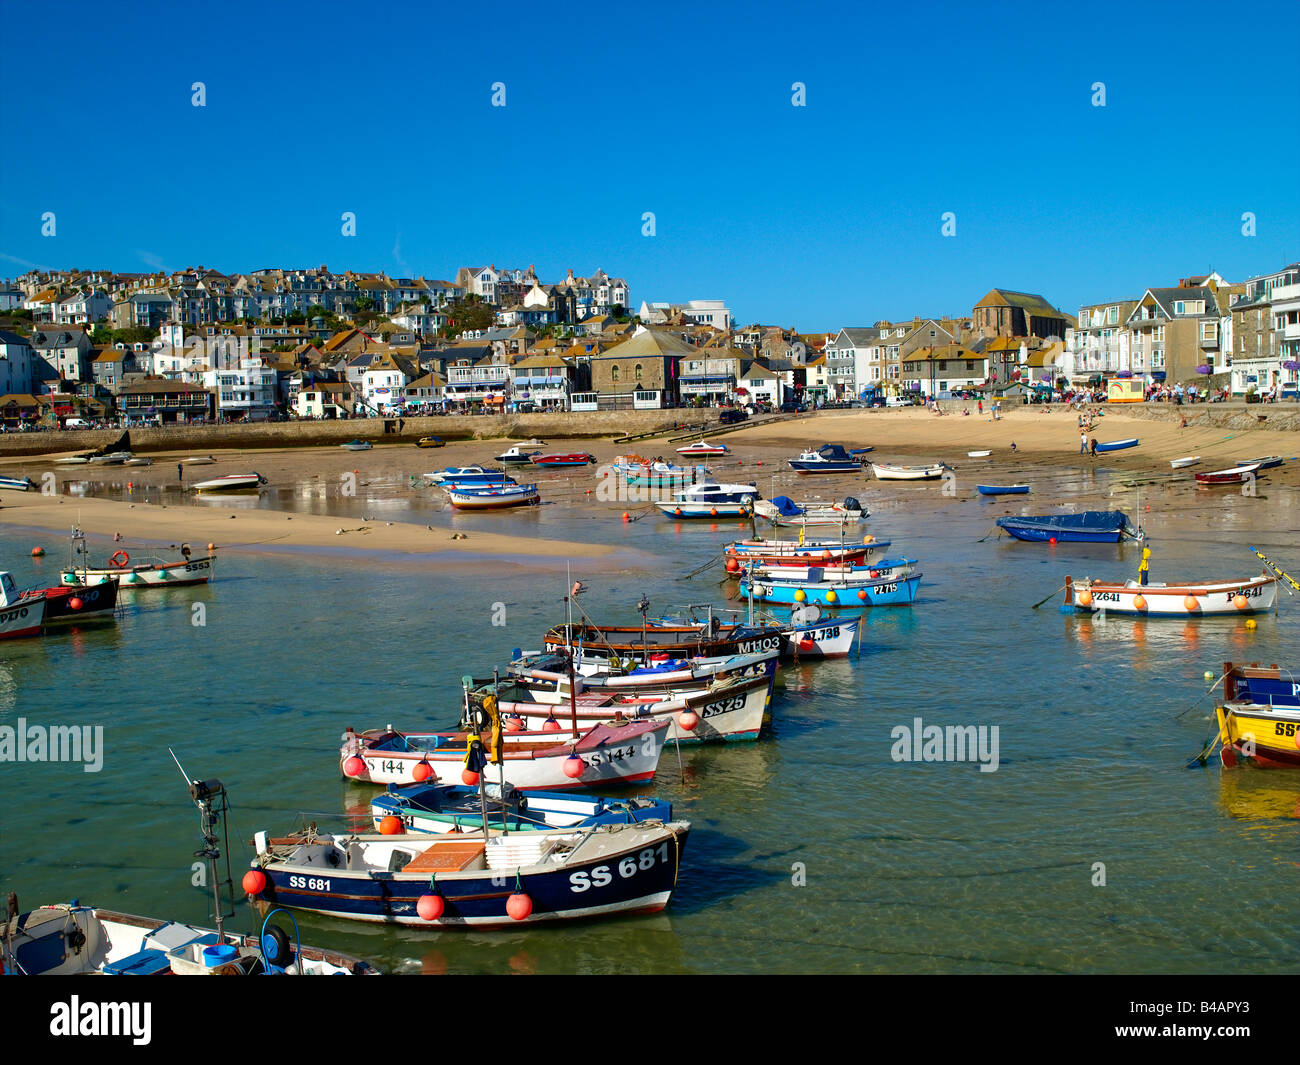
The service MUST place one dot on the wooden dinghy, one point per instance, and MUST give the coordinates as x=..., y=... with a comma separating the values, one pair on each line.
x=1002, y=489
x=1119, y=445
x=891, y=472
x=1183, y=463
x=1235, y=475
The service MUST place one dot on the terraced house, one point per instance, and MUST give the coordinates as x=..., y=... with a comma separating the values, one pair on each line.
x=1175, y=330
x=1265, y=356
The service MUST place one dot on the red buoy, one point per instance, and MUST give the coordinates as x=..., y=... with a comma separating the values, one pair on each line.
x=733, y=566
x=1051, y=539
x=688, y=720
x=75, y=603
x=515, y=723
x=430, y=907
x=807, y=644
x=550, y=725
x=519, y=905
x=469, y=777
x=392, y=826
x=422, y=771
x=254, y=882
x=353, y=766
x=573, y=767
x=38, y=552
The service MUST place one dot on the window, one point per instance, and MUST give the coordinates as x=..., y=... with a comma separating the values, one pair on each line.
x=613, y=374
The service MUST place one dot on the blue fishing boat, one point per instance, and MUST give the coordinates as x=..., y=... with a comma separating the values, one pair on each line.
x=1003, y=489
x=829, y=458
x=1260, y=685
x=1088, y=527
x=468, y=475
x=440, y=808
x=1119, y=445
x=463, y=881
x=842, y=593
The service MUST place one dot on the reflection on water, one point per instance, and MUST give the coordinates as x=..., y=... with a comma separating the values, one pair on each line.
x=916, y=867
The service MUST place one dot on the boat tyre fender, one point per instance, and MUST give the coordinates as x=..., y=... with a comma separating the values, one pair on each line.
x=120, y=559
x=275, y=945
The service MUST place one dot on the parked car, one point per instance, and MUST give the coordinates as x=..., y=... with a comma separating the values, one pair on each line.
x=735, y=414
x=792, y=407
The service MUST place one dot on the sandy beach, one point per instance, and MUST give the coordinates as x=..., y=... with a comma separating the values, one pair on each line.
x=758, y=454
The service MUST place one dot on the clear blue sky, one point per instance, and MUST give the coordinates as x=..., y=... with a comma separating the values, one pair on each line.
x=818, y=216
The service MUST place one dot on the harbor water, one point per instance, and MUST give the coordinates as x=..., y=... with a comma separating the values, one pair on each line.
x=1085, y=846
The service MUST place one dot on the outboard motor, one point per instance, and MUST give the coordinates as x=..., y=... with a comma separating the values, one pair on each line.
x=851, y=504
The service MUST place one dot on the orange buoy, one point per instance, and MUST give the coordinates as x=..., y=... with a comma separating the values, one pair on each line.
x=75, y=603
x=550, y=725
x=1240, y=601
x=392, y=826
x=1191, y=604
x=469, y=777
x=212, y=547
x=862, y=594
x=353, y=766
x=430, y=907
x=519, y=905
x=627, y=516
x=38, y=552
x=254, y=882
x=1139, y=602
x=573, y=766
x=688, y=720
x=422, y=771
x=1085, y=598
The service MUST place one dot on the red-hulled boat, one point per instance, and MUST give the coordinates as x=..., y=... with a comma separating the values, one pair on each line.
x=580, y=458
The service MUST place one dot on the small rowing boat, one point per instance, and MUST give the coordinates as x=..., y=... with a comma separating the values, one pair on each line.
x=1269, y=462
x=576, y=458
x=17, y=484
x=493, y=497
x=1183, y=463
x=703, y=447
x=468, y=475
x=1087, y=527
x=1119, y=445
x=1002, y=489
x=356, y=445
x=1235, y=475
x=232, y=482
x=890, y=472
x=978, y=454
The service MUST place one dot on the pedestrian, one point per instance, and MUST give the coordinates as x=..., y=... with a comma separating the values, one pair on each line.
x=1083, y=443
x=1092, y=446
x=981, y=406
x=180, y=472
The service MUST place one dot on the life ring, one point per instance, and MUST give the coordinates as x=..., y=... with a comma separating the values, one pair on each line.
x=119, y=559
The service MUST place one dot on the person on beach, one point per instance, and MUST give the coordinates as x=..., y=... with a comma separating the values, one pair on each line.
x=1083, y=443
x=981, y=406
x=180, y=472
x=1092, y=446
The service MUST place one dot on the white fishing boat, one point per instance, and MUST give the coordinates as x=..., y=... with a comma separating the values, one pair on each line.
x=891, y=472
x=1182, y=464
x=1254, y=595
x=494, y=497
x=232, y=482
x=138, y=462
x=711, y=501
x=625, y=753
x=783, y=511
x=703, y=447
x=199, y=460
x=113, y=458
x=150, y=572
x=978, y=454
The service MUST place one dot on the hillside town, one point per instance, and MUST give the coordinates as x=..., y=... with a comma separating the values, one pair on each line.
x=85, y=348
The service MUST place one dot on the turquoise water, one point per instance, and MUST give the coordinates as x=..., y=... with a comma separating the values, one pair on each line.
x=903, y=867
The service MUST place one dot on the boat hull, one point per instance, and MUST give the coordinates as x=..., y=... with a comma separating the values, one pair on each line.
x=1255, y=595
x=1092, y=527
x=1118, y=445
x=840, y=596
x=525, y=495
x=628, y=754
x=169, y=575
x=907, y=473
x=97, y=599
x=1262, y=736
x=23, y=619
x=620, y=869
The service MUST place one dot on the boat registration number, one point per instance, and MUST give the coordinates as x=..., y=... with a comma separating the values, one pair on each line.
x=1249, y=593
x=882, y=589
x=195, y=567
x=613, y=754
x=749, y=647
x=21, y=612
x=603, y=875
x=1106, y=597
x=736, y=702
x=311, y=883
x=1284, y=728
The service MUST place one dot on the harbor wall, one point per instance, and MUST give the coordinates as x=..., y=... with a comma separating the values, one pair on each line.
x=595, y=424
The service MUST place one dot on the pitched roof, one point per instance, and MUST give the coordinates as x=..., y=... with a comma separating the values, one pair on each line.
x=1029, y=302
x=650, y=343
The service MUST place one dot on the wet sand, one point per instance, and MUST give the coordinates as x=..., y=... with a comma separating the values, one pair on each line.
x=1047, y=453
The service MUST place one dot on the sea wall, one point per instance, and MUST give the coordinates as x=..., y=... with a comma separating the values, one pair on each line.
x=596, y=424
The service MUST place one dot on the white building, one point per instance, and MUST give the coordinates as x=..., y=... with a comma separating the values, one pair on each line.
x=245, y=390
